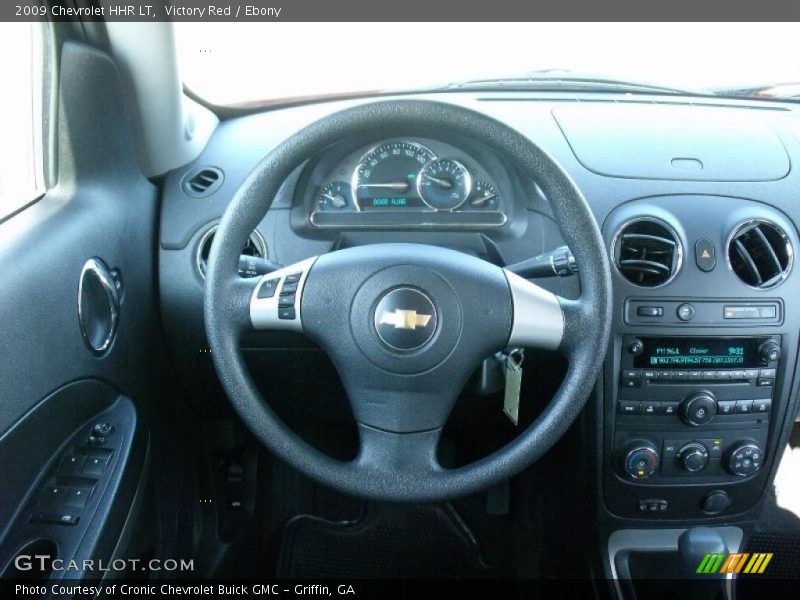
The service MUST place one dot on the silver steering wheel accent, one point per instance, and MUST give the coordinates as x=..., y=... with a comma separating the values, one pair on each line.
x=275, y=303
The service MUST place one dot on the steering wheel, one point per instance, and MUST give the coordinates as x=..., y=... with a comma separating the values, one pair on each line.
x=407, y=324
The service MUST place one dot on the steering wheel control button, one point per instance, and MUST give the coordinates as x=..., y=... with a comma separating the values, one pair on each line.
x=405, y=319
x=268, y=288
x=293, y=278
x=705, y=255
x=685, y=312
x=286, y=301
x=286, y=313
x=288, y=288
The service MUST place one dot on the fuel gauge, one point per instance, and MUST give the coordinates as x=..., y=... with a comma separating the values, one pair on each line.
x=483, y=197
x=335, y=196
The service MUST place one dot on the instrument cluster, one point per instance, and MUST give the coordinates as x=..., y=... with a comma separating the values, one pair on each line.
x=402, y=176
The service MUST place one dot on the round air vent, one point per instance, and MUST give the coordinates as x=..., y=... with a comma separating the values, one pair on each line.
x=256, y=246
x=647, y=252
x=760, y=254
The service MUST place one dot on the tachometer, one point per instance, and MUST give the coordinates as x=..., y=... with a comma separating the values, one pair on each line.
x=386, y=177
x=444, y=184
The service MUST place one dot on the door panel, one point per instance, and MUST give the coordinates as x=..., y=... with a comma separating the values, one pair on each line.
x=52, y=387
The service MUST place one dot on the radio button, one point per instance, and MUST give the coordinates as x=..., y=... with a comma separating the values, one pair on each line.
x=685, y=312
x=726, y=407
x=668, y=408
x=631, y=383
x=709, y=374
x=766, y=382
x=762, y=406
x=630, y=408
x=738, y=375
x=751, y=373
x=631, y=374
x=650, y=311
x=650, y=374
x=744, y=406
x=699, y=408
x=767, y=373
x=695, y=374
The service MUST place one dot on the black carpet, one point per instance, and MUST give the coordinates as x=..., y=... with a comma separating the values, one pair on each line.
x=425, y=542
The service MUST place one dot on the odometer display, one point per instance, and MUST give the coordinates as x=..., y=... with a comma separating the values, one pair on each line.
x=386, y=177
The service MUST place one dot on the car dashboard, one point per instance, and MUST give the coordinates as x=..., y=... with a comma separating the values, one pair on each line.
x=698, y=204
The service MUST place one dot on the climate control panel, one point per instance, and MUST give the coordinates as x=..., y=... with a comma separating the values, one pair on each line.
x=658, y=458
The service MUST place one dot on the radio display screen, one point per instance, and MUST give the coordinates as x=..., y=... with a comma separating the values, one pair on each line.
x=698, y=353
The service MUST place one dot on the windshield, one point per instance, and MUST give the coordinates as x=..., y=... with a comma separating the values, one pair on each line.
x=291, y=61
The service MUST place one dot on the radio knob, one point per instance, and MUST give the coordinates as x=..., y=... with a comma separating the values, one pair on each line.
x=769, y=351
x=640, y=459
x=745, y=458
x=693, y=457
x=636, y=347
x=699, y=408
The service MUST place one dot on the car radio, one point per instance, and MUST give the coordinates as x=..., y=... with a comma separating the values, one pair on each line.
x=694, y=406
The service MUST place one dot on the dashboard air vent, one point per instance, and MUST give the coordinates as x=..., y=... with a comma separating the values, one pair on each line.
x=647, y=252
x=256, y=246
x=202, y=182
x=760, y=254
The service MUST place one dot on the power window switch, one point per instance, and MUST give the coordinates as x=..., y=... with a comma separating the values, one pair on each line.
x=95, y=465
x=54, y=495
x=55, y=518
x=71, y=465
x=78, y=496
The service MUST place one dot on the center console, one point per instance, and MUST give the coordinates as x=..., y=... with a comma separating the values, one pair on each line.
x=696, y=387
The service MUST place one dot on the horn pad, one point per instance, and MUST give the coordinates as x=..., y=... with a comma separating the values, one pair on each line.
x=406, y=319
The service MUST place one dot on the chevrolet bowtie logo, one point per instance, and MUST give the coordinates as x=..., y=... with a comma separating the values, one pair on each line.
x=404, y=319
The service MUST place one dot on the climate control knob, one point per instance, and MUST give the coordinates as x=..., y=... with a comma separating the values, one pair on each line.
x=699, y=408
x=640, y=459
x=693, y=457
x=745, y=458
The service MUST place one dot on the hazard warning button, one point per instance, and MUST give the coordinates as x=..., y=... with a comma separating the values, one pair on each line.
x=705, y=255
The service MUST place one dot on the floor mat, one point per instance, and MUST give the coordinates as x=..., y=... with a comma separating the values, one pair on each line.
x=778, y=532
x=387, y=542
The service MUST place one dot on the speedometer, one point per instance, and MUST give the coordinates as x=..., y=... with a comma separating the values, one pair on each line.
x=386, y=177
